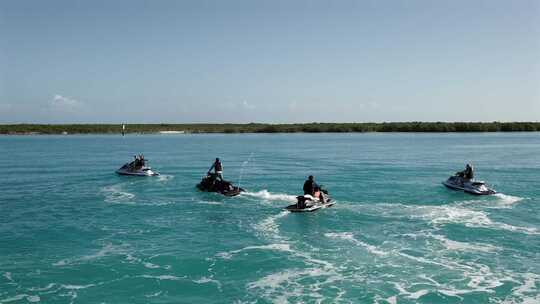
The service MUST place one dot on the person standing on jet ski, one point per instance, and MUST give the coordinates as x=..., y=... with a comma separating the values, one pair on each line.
x=218, y=169
x=310, y=185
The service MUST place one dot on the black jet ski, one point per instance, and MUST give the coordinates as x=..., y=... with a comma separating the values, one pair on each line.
x=136, y=168
x=310, y=203
x=210, y=183
x=457, y=182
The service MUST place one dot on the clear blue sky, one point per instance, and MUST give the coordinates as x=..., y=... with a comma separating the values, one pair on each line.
x=269, y=61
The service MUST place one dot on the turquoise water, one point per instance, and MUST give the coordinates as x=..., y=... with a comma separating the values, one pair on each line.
x=71, y=231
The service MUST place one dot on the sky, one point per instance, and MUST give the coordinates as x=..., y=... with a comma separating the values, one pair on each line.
x=269, y=61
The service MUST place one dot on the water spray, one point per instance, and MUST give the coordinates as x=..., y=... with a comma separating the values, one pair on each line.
x=244, y=163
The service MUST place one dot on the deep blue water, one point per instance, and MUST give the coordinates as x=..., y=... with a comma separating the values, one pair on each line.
x=71, y=231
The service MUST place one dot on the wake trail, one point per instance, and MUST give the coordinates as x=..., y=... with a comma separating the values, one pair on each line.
x=508, y=200
x=268, y=196
x=114, y=194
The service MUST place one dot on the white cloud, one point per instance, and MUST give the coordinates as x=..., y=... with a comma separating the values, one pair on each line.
x=247, y=106
x=65, y=102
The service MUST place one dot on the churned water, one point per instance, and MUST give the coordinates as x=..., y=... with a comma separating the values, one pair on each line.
x=71, y=231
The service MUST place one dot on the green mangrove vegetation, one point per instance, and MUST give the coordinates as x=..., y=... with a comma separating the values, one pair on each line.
x=272, y=128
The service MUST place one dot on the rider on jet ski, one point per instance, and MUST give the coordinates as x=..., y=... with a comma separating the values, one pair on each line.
x=468, y=173
x=138, y=163
x=311, y=188
x=218, y=169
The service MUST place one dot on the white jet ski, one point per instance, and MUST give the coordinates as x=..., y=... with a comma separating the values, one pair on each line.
x=457, y=182
x=136, y=168
x=309, y=203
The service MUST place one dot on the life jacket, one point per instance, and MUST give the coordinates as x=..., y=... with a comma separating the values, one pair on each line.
x=217, y=166
x=308, y=187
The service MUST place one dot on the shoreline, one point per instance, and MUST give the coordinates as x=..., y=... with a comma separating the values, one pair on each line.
x=257, y=128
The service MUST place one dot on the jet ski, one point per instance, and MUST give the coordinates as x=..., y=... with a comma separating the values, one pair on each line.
x=457, y=182
x=210, y=183
x=136, y=168
x=310, y=203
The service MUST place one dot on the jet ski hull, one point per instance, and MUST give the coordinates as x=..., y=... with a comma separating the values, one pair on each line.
x=236, y=191
x=471, y=187
x=310, y=208
x=211, y=184
x=308, y=203
x=141, y=172
x=452, y=186
x=479, y=192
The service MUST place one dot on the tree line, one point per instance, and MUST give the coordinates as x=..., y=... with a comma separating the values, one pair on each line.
x=273, y=128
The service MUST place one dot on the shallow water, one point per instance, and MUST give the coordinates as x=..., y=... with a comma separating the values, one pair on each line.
x=71, y=231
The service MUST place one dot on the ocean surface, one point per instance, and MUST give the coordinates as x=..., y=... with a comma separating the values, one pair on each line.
x=72, y=231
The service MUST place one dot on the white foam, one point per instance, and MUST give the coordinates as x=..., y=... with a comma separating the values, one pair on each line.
x=150, y=265
x=152, y=295
x=452, y=214
x=155, y=203
x=528, y=291
x=7, y=275
x=163, y=277
x=108, y=249
x=51, y=285
x=268, y=196
x=423, y=260
x=276, y=247
x=165, y=177
x=33, y=299
x=273, y=281
x=348, y=236
x=76, y=287
x=205, y=280
x=210, y=203
x=281, y=247
x=279, y=287
x=15, y=298
x=269, y=226
x=475, y=277
x=115, y=195
x=464, y=246
x=507, y=200
x=529, y=286
x=441, y=215
x=411, y=295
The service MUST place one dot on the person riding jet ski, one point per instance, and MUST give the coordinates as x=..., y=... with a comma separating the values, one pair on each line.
x=214, y=182
x=313, y=199
x=311, y=188
x=136, y=167
x=218, y=169
x=464, y=180
x=138, y=162
x=310, y=185
x=468, y=173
